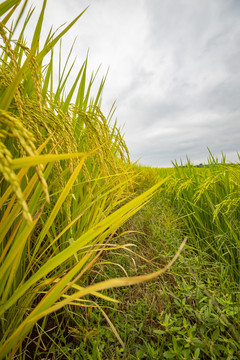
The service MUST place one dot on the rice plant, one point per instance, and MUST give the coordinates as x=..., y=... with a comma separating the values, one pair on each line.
x=65, y=176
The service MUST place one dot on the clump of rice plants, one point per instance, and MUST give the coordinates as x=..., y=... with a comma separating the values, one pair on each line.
x=64, y=175
x=210, y=199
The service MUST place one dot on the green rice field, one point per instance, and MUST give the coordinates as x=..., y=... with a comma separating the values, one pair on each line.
x=101, y=258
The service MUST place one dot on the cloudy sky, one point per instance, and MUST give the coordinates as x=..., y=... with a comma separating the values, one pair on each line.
x=174, y=69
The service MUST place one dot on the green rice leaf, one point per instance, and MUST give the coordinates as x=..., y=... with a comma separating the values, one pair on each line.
x=42, y=159
x=6, y=5
x=50, y=45
x=10, y=92
x=38, y=28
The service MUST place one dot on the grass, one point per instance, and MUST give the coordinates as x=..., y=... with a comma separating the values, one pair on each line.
x=80, y=224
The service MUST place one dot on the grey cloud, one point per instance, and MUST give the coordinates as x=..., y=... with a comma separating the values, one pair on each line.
x=219, y=134
x=223, y=97
x=174, y=69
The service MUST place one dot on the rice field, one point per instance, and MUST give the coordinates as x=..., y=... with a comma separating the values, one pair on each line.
x=210, y=199
x=80, y=223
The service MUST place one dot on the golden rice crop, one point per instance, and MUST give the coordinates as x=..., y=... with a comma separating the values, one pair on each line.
x=65, y=173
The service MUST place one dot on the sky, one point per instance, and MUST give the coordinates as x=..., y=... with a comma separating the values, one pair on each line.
x=174, y=71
